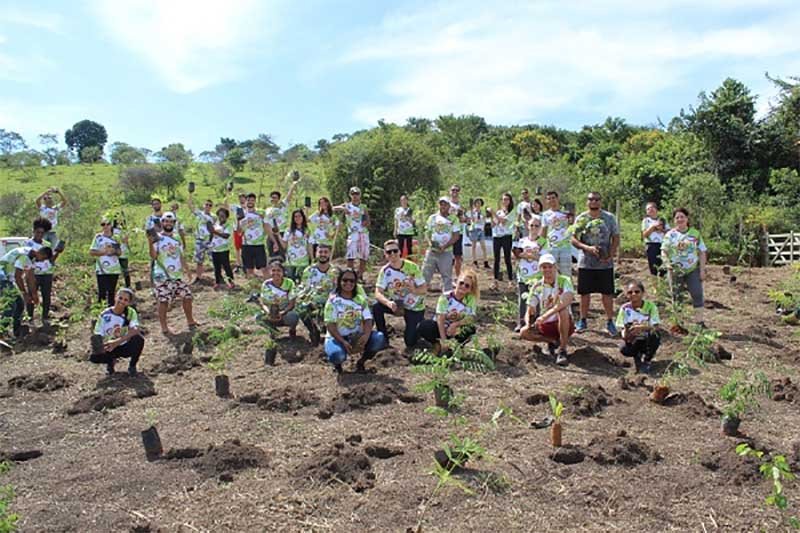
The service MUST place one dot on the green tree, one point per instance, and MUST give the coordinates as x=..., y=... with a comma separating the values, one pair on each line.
x=534, y=145
x=84, y=134
x=125, y=154
x=461, y=133
x=10, y=142
x=706, y=199
x=91, y=154
x=171, y=176
x=49, y=143
x=236, y=158
x=176, y=153
x=385, y=163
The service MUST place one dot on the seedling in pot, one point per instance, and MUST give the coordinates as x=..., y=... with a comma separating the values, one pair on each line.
x=150, y=438
x=555, y=430
x=741, y=394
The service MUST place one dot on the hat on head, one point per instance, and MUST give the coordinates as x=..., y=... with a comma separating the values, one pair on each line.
x=169, y=215
x=547, y=259
x=444, y=199
x=355, y=190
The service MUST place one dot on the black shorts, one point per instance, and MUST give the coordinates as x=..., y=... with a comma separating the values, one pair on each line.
x=253, y=257
x=458, y=247
x=591, y=281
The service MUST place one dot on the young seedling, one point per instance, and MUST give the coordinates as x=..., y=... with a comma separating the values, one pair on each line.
x=777, y=470
x=557, y=409
x=8, y=520
x=438, y=369
x=740, y=395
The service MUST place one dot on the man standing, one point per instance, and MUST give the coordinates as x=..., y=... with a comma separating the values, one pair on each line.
x=17, y=278
x=203, y=233
x=357, y=221
x=443, y=230
x=277, y=217
x=316, y=285
x=524, y=210
x=50, y=211
x=400, y=290
x=254, y=233
x=154, y=219
x=597, y=237
x=459, y=212
x=555, y=228
x=169, y=268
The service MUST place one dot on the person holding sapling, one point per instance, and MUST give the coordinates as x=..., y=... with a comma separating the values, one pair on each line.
x=118, y=326
x=50, y=210
x=277, y=216
x=43, y=270
x=106, y=251
x=400, y=290
x=596, y=235
x=684, y=254
x=254, y=230
x=169, y=268
x=502, y=236
x=404, y=229
x=277, y=300
x=638, y=320
x=221, y=234
x=203, y=233
x=555, y=228
x=443, y=230
x=477, y=232
x=455, y=314
x=653, y=229
x=549, y=317
x=295, y=240
x=18, y=281
x=324, y=226
x=349, y=323
x=357, y=221
x=527, y=250
x=319, y=281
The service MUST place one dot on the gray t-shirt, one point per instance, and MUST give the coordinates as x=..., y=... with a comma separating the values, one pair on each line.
x=596, y=232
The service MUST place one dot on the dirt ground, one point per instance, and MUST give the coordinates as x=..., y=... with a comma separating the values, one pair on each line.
x=293, y=450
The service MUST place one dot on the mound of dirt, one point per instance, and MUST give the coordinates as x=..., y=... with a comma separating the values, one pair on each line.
x=366, y=395
x=390, y=358
x=782, y=390
x=34, y=341
x=731, y=467
x=537, y=399
x=568, y=455
x=140, y=386
x=20, y=457
x=231, y=456
x=282, y=400
x=99, y=401
x=588, y=401
x=621, y=450
x=693, y=403
x=177, y=454
x=636, y=382
x=382, y=452
x=173, y=364
x=47, y=382
x=339, y=464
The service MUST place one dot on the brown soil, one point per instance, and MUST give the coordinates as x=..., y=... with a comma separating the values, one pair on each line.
x=46, y=382
x=291, y=475
x=784, y=390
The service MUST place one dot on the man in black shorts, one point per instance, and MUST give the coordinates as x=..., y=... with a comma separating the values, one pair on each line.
x=254, y=230
x=597, y=237
x=457, y=211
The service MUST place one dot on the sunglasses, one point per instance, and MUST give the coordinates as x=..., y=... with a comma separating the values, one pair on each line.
x=635, y=291
x=348, y=280
x=392, y=251
x=536, y=225
x=464, y=284
x=594, y=199
x=104, y=224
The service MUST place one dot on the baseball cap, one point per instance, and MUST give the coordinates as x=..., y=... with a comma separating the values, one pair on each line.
x=547, y=259
x=444, y=199
x=355, y=190
x=169, y=215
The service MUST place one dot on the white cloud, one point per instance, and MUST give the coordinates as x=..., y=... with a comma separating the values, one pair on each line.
x=44, y=20
x=191, y=44
x=512, y=62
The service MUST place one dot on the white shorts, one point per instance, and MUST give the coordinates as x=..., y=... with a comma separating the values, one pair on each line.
x=358, y=246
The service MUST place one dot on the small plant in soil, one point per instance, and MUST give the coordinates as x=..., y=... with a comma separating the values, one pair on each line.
x=699, y=344
x=219, y=363
x=438, y=369
x=557, y=409
x=8, y=520
x=776, y=469
x=150, y=438
x=676, y=310
x=740, y=395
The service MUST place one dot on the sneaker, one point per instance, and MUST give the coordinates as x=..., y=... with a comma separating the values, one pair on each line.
x=132, y=372
x=581, y=325
x=561, y=360
x=517, y=328
x=611, y=328
x=551, y=349
x=337, y=368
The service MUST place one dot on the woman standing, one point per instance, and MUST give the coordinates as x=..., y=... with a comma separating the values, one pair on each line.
x=43, y=270
x=477, y=234
x=296, y=242
x=653, y=229
x=684, y=254
x=404, y=227
x=324, y=226
x=502, y=236
x=106, y=251
x=118, y=326
x=455, y=313
x=527, y=250
x=221, y=247
x=348, y=320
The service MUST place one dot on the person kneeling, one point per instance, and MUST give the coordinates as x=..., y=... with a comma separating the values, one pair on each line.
x=549, y=300
x=116, y=334
x=638, y=319
x=348, y=320
x=278, y=299
x=455, y=314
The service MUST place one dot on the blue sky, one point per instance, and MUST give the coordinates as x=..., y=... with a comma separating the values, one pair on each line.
x=161, y=71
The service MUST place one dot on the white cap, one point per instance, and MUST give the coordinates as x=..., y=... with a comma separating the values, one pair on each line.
x=444, y=199
x=169, y=215
x=547, y=259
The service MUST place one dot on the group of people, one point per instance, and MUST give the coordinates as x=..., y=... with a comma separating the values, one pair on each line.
x=292, y=252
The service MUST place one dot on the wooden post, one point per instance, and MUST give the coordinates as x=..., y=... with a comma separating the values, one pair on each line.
x=763, y=238
x=619, y=248
x=791, y=247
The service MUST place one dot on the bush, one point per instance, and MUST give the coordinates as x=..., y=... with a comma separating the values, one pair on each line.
x=17, y=213
x=139, y=182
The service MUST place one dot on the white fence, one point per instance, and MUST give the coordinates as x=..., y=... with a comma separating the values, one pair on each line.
x=783, y=248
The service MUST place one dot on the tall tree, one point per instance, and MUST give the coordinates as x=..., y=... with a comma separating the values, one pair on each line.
x=176, y=153
x=49, y=143
x=84, y=134
x=461, y=133
x=10, y=142
x=125, y=154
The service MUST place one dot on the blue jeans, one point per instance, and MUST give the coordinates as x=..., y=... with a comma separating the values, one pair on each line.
x=336, y=353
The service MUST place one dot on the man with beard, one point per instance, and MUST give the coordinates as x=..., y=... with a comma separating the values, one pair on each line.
x=254, y=230
x=169, y=268
x=316, y=285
